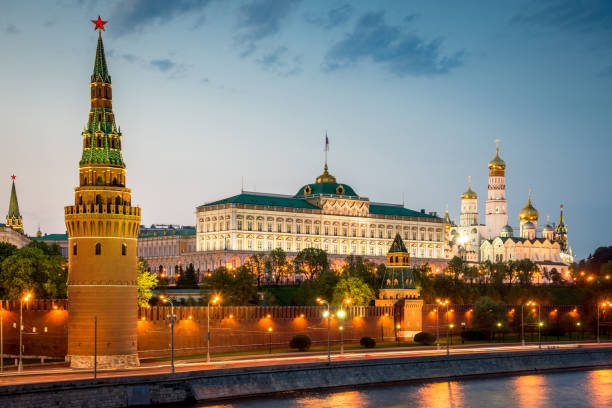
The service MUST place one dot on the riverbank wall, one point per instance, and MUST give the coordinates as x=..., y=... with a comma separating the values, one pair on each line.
x=213, y=385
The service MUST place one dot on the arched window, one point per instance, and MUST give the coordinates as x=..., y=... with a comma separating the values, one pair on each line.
x=98, y=199
x=74, y=249
x=123, y=249
x=98, y=249
x=117, y=200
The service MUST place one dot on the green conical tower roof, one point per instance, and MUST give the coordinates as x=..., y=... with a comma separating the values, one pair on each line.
x=13, y=211
x=398, y=245
x=100, y=71
x=101, y=138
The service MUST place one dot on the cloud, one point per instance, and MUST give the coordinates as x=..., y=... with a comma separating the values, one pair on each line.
x=11, y=29
x=280, y=62
x=333, y=18
x=571, y=15
x=130, y=16
x=259, y=19
x=372, y=39
x=164, y=65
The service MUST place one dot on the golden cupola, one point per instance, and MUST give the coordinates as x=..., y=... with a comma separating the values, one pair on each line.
x=528, y=213
x=469, y=194
x=497, y=163
x=325, y=177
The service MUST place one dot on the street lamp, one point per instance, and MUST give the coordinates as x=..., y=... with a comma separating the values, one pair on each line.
x=604, y=304
x=25, y=298
x=172, y=318
x=214, y=300
x=1, y=339
x=529, y=303
x=270, y=331
x=444, y=302
x=325, y=302
x=397, y=328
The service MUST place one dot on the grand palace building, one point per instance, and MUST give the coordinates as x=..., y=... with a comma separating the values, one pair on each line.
x=325, y=214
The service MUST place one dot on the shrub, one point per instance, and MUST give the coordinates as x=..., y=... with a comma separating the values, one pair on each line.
x=367, y=342
x=301, y=342
x=424, y=338
x=474, y=334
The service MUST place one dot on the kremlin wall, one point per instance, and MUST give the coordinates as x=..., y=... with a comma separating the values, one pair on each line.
x=241, y=328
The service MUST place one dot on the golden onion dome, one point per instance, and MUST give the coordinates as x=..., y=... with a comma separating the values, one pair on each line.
x=469, y=194
x=497, y=163
x=528, y=213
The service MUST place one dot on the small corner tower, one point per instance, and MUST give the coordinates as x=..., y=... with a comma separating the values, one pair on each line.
x=398, y=282
x=102, y=230
x=398, y=290
x=13, y=218
x=496, y=216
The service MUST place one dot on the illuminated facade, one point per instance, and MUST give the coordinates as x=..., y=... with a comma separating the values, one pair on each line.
x=325, y=214
x=102, y=233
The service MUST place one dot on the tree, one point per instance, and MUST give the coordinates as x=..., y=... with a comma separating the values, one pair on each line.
x=30, y=269
x=256, y=264
x=487, y=314
x=188, y=279
x=237, y=289
x=352, y=288
x=145, y=281
x=311, y=262
x=457, y=267
x=277, y=264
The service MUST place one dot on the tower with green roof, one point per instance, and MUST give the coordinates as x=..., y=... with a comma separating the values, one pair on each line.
x=13, y=218
x=102, y=230
x=399, y=290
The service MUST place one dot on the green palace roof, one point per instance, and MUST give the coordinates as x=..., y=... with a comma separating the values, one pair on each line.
x=167, y=232
x=52, y=237
x=397, y=209
x=265, y=199
x=326, y=188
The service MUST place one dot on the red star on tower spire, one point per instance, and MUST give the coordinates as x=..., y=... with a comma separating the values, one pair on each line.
x=13, y=177
x=99, y=24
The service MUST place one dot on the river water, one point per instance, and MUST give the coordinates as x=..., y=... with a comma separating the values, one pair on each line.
x=558, y=390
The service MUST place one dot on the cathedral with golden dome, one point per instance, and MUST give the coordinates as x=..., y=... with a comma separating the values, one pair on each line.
x=495, y=240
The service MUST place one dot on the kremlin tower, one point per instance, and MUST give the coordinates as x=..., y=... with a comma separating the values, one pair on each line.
x=496, y=216
x=102, y=232
x=13, y=218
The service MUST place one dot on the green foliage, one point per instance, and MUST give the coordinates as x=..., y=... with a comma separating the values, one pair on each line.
x=369, y=272
x=487, y=314
x=367, y=342
x=424, y=338
x=52, y=249
x=277, y=265
x=6, y=250
x=352, y=288
x=322, y=286
x=474, y=335
x=256, y=264
x=236, y=289
x=311, y=261
x=187, y=279
x=31, y=269
x=301, y=342
x=146, y=281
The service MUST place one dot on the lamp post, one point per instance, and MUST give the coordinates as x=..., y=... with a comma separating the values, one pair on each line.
x=341, y=316
x=529, y=303
x=1, y=339
x=444, y=302
x=397, y=328
x=214, y=300
x=172, y=318
x=540, y=324
x=270, y=331
x=437, y=331
x=604, y=304
x=25, y=298
x=325, y=302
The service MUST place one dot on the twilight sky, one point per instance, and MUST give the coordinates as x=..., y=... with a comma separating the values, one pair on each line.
x=412, y=95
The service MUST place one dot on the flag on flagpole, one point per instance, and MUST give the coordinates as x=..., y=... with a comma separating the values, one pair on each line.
x=326, y=143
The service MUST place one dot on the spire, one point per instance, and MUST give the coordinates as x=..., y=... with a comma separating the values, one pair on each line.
x=13, y=218
x=398, y=245
x=13, y=211
x=100, y=70
x=561, y=220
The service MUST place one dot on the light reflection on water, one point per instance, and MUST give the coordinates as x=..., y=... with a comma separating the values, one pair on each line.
x=570, y=389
